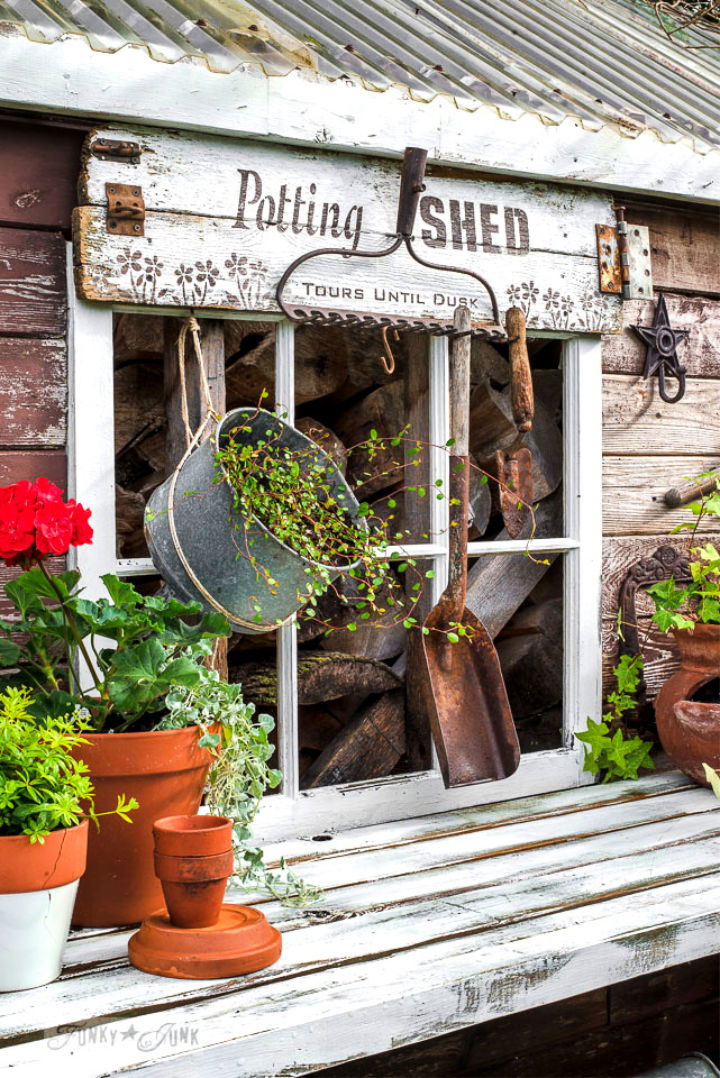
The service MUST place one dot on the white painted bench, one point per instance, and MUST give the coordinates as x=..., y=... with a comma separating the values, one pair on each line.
x=426, y=926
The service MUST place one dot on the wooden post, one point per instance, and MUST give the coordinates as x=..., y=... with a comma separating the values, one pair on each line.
x=417, y=522
x=213, y=350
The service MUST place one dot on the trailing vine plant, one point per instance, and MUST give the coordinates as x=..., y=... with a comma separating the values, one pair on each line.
x=240, y=773
x=294, y=493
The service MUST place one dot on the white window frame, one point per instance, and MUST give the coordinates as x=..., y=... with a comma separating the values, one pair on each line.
x=296, y=812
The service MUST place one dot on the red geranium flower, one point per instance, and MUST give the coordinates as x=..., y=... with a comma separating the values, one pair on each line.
x=35, y=522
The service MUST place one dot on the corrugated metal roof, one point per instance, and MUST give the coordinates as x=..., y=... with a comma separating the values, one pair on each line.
x=600, y=61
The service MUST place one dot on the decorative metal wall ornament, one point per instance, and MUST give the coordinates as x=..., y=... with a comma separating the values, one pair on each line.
x=666, y=562
x=662, y=341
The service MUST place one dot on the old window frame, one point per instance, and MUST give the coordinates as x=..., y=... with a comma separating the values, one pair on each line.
x=295, y=812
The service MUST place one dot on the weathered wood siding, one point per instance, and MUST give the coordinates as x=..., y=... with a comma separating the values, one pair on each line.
x=38, y=175
x=650, y=446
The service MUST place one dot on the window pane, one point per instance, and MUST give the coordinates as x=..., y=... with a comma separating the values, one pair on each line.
x=494, y=436
x=344, y=393
x=519, y=599
x=354, y=719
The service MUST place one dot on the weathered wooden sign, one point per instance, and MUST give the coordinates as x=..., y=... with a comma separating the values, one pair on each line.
x=225, y=217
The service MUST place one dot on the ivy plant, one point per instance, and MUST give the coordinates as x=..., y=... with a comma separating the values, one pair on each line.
x=609, y=749
x=43, y=787
x=57, y=626
x=681, y=606
x=240, y=773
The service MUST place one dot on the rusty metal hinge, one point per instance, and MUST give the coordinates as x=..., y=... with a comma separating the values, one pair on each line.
x=108, y=149
x=608, y=249
x=624, y=263
x=125, y=210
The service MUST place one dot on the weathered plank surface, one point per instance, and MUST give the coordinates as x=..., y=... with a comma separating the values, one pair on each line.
x=683, y=245
x=624, y=353
x=634, y=490
x=636, y=422
x=659, y=652
x=32, y=283
x=33, y=392
x=425, y=927
x=25, y=464
x=39, y=168
x=225, y=218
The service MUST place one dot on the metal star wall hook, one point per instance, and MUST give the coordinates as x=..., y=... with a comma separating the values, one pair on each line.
x=662, y=341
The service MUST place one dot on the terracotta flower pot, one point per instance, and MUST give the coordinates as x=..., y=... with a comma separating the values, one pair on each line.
x=690, y=729
x=38, y=883
x=165, y=770
x=193, y=860
x=192, y=836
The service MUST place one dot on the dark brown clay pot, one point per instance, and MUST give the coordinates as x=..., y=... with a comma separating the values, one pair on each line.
x=690, y=729
x=165, y=770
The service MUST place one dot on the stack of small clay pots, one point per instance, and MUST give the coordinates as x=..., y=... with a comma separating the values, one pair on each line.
x=193, y=861
x=199, y=936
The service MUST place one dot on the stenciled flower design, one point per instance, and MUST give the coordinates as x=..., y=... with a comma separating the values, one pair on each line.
x=514, y=293
x=153, y=268
x=529, y=291
x=551, y=299
x=130, y=261
x=237, y=265
x=207, y=271
x=184, y=274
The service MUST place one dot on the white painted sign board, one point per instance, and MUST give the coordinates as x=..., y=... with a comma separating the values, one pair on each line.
x=225, y=217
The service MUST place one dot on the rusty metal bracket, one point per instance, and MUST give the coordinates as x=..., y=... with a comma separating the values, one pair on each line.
x=126, y=209
x=608, y=250
x=108, y=149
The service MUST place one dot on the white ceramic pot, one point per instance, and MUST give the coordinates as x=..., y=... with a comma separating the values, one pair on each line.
x=38, y=884
x=35, y=927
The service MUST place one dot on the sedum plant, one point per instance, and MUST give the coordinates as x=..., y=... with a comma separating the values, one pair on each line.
x=240, y=773
x=43, y=787
x=608, y=749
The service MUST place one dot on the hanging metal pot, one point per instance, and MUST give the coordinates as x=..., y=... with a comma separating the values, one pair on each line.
x=203, y=547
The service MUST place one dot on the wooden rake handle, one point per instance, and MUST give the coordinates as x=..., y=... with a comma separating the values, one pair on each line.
x=521, y=392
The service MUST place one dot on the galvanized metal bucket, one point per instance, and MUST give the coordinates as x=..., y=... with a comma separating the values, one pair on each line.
x=200, y=544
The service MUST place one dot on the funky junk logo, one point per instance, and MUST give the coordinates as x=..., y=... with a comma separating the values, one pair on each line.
x=444, y=222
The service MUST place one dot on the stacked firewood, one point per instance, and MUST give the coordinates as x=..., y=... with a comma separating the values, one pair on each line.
x=354, y=724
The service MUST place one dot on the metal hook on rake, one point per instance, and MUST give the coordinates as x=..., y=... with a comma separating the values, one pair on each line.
x=387, y=358
x=411, y=187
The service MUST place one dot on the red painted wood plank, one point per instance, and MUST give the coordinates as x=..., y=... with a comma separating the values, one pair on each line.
x=33, y=392
x=32, y=283
x=25, y=464
x=39, y=168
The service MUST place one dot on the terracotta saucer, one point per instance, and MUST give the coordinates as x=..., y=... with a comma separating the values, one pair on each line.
x=242, y=941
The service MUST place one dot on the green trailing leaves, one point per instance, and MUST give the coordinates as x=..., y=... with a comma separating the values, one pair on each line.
x=680, y=607
x=609, y=750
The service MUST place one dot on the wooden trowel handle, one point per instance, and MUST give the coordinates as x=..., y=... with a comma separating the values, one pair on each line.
x=521, y=391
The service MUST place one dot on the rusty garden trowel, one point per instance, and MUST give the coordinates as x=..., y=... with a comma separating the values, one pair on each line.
x=461, y=684
x=514, y=466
